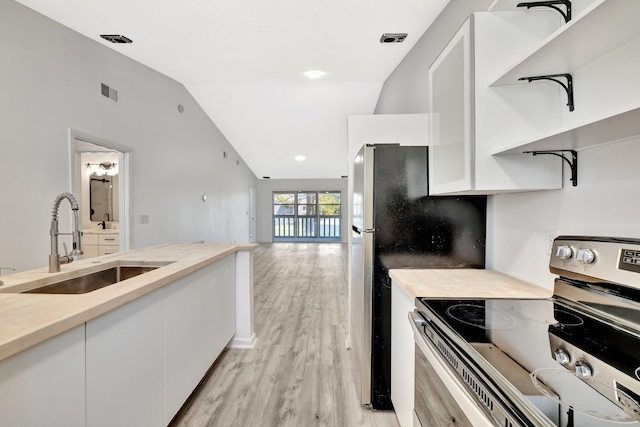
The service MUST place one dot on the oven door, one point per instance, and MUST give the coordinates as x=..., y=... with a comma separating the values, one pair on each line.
x=440, y=400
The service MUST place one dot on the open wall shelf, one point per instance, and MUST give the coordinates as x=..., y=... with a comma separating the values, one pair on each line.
x=617, y=125
x=604, y=26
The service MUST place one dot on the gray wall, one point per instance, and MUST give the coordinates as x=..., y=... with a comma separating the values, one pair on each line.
x=264, y=201
x=51, y=83
x=604, y=203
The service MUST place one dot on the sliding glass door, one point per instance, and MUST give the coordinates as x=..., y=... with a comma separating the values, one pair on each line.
x=306, y=216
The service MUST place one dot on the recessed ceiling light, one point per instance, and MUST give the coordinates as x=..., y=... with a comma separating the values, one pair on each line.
x=314, y=74
x=300, y=158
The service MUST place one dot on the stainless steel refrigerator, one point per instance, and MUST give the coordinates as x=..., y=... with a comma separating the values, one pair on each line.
x=395, y=224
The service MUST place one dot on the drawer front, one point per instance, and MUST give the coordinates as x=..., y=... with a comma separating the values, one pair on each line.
x=89, y=239
x=109, y=239
x=108, y=249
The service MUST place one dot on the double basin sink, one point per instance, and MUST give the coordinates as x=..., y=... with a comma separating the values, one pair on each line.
x=96, y=280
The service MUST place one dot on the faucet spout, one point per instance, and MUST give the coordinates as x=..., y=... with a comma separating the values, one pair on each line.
x=54, y=258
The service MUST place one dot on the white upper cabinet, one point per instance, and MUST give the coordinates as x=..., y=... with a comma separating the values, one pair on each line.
x=469, y=118
x=600, y=48
x=451, y=154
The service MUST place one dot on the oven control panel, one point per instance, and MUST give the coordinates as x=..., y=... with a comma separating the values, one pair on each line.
x=629, y=260
x=594, y=259
x=617, y=385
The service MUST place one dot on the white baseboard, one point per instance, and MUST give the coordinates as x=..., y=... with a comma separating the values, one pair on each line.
x=244, y=342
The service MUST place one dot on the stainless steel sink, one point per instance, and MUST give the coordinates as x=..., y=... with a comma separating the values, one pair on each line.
x=93, y=281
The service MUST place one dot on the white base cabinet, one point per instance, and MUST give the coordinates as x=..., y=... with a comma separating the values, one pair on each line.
x=220, y=313
x=184, y=337
x=402, y=356
x=125, y=365
x=145, y=358
x=133, y=366
x=44, y=385
x=199, y=323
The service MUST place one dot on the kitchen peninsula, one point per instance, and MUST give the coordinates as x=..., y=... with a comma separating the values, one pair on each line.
x=129, y=353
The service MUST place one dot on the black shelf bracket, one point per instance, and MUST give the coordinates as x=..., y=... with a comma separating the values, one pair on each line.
x=573, y=163
x=554, y=78
x=552, y=4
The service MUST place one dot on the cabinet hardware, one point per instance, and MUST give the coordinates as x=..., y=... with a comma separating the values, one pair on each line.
x=552, y=4
x=553, y=77
x=572, y=164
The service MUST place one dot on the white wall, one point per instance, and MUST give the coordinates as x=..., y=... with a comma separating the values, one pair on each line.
x=50, y=83
x=605, y=202
x=264, y=201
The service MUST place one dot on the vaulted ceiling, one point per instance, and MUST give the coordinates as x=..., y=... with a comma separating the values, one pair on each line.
x=244, y=62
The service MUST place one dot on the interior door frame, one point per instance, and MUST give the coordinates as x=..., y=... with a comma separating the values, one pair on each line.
x=124, y=178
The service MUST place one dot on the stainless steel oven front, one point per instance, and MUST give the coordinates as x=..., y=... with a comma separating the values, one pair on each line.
x=450, y=389
x=570, y=360
x=434, y=403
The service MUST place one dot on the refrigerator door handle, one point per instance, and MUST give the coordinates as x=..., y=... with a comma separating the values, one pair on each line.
x=362, y=230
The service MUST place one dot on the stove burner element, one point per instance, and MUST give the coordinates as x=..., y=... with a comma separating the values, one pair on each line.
x=561, y=318
x=564, y=387
x=480, y=317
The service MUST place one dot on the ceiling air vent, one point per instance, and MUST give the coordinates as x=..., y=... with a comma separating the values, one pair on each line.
x=116, y=38
x=393, y=37
x=109, y=92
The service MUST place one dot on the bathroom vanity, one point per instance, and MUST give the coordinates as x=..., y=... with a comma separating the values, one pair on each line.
x=130, y=351
x=100, y=242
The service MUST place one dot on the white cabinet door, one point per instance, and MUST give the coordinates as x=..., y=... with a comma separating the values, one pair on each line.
x=125, y=365
x=184, y=339
x=450, y=103
x=44, y=385
x=402, y=356
x=470, y=120
x=220, y=310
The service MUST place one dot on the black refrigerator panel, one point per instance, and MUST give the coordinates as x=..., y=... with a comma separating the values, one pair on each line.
x=422, y=230
x=414, y=230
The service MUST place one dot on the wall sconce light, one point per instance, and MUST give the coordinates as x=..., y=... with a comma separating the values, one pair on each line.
x=100, y=169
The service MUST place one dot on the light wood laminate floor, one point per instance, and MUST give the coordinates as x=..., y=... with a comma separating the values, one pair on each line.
x=299, y=372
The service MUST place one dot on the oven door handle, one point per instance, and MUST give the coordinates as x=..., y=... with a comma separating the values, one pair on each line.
x=416, y=320
x=417, y=323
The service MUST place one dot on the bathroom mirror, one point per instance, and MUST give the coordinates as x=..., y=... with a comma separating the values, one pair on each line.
x=103, y=197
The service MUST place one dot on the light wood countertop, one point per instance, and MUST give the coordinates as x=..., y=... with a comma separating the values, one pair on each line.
x=28, y=319
x=464, y=283
x=100, y=231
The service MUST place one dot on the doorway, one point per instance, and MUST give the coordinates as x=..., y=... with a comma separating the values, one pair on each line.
x=101, y=168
